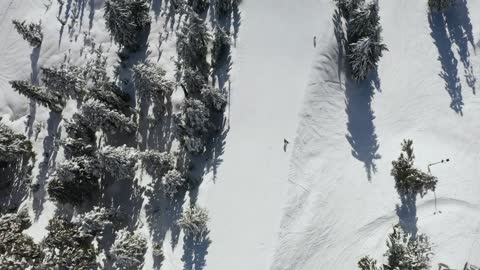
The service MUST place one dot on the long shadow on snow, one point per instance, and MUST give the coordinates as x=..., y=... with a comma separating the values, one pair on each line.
x=195, y=249
x=50, y=149
x=448, y=61
x=407, y=213
x=14, y=181
x=162, y=215
x=460, y=30
x=361, y=130
x=34, y=79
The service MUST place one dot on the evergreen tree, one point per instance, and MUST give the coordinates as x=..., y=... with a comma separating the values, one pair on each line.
x=214, y=99
x=13, y=146
x=221, y=47
x=439, y=5
x=192, y=48
x=157, y=163
x=128, y=250
x=364, y=56
x=405, y=252
x=76, y=180
x=98, y=115
x=81, y=138
x=48, y=99
x=367, y=263
x=199, y=6
x=172, y=181
x=347, y=7
x=363, y=22
x=111, y=95
x=194, y=221
x=17, y=250
x=119, y=162
x=408, y=179
x=67, y=82
x=223, y=8
x=192, y=125
x=65, y=249
x=31, y=32
x=93, y=223
x=150, y=82
x=126, y=19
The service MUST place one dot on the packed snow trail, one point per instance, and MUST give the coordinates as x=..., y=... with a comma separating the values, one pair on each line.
x=271, y=64
x=342, y=201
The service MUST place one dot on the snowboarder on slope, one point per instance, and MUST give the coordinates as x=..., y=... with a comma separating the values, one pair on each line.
x=285, y=143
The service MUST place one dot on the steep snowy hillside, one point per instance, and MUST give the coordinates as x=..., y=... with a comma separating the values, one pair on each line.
x=342, y=201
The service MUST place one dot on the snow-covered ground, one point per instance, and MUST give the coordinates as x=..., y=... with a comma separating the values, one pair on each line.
x=342, y=204
x=329, y=199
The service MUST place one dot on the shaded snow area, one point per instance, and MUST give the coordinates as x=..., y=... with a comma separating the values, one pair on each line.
x=298, y=174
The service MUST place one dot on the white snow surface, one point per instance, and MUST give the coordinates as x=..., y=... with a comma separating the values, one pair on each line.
x=329, y=199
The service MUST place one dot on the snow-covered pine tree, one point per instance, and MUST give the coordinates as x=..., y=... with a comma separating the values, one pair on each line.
x=194, y=80
x=367, y=263
x=126, y=20
x=199, y=6
x=408, y=179
x=192, y=48
x=194, y=221
x=98, y=115
x=128, y=250
x=439, y=5
x=221, y=47
x=95, y=71
x=364, y=55
x=223, y=8
x=157, y=163
x=50, y=100
x=31, y=32
x=68, y=82
x=364, y=21
x=76, y=180
x=110, y=94
x=192, y=125
x=64, y=249
x=214, y=99
x=150, y=82
x=92, y=223
x=346, y=7
x=405, y=252
x=13, y=146
x=172, y=181
x=119, y=162
x=17, y=250
x=80, y=139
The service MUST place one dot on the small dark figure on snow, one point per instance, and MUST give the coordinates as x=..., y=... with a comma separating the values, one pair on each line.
x=285, y=143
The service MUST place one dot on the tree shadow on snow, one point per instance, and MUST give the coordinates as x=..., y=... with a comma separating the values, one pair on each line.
x=407, y=213
x=14, y=184
x=361, y=129
x=47, y=165
x=460, y=30
x=34, y=56
x=162, y=215
x=195, y=249
x=453, y=27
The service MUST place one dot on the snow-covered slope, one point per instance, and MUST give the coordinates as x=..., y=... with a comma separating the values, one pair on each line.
x=329, y=199
x=342, y=202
